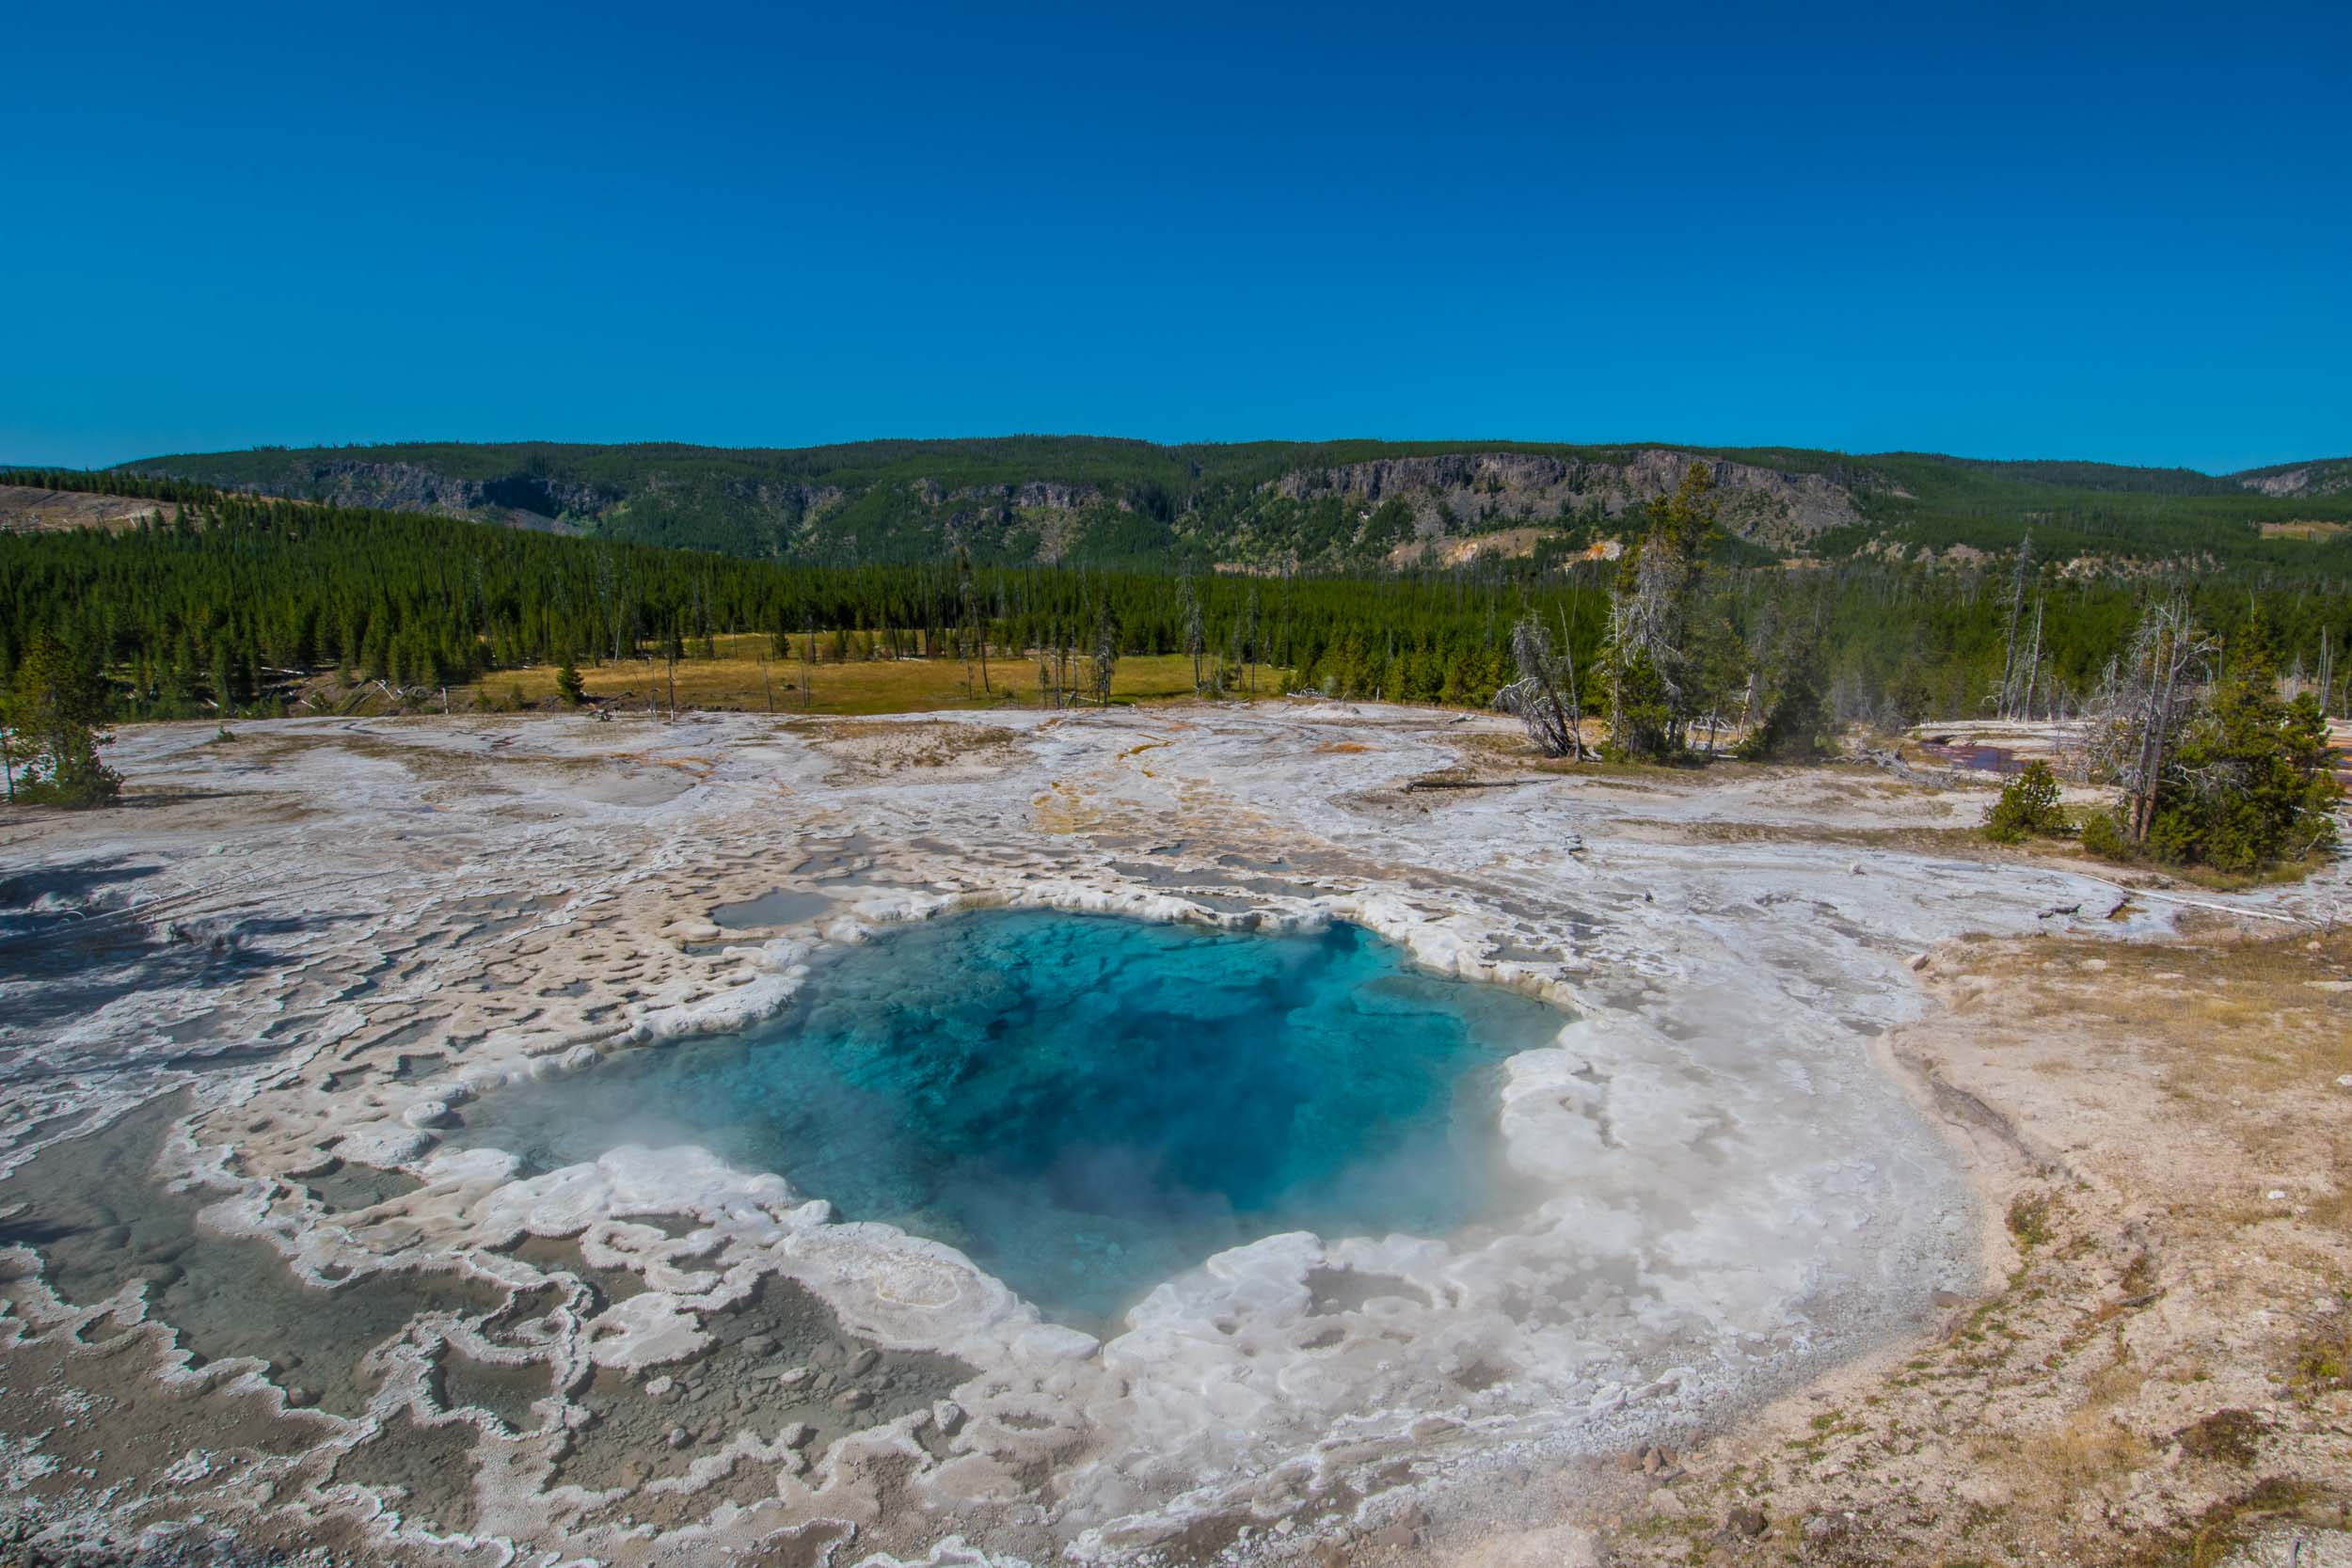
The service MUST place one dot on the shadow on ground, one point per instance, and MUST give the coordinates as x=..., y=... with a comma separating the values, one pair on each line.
x=72, y=940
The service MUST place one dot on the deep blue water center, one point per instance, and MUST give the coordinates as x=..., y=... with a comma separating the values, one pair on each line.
x=1087, y=1104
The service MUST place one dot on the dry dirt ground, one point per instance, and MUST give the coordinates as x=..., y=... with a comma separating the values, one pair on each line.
x=25, y=508
x=1912, y=1201
x=2161, y=1371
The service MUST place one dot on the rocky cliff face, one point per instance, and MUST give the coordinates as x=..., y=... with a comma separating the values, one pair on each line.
x=1468, y=500
x=407, y=487
x=2306, y=479
x=1486, y=490
x=1033, y=495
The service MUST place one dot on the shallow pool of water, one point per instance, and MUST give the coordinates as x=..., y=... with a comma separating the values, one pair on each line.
x=1087, y=1105
x=784, y=907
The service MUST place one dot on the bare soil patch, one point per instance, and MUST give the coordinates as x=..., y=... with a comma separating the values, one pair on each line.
x=870, y=748
x=27, y=509
x=2162, y=1372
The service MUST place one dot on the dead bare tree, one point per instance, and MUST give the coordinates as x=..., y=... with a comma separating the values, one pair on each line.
x=2327, y=676
x=1575, y=703
x=1106, y=651
x=1196, y=642
x=2032, y=667
x=1553, y=725
x=2132, y=722
x=1649, y=627
x=2013, y=601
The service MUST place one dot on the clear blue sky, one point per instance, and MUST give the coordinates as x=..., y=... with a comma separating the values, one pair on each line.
x=2048, y=230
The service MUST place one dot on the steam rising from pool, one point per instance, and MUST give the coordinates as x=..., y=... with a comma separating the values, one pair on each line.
x=1088, y=1105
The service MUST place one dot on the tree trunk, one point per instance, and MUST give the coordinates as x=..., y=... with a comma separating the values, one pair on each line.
x=1576, y=707
x=2152, y=745
x=2033, y=668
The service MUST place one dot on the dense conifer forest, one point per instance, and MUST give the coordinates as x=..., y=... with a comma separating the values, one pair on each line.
x=221, y=602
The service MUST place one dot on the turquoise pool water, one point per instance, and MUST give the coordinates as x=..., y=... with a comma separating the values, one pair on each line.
x=1086, y=1105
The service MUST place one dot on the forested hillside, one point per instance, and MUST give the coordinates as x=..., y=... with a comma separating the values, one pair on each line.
x=1277, y=505
x=230, y=603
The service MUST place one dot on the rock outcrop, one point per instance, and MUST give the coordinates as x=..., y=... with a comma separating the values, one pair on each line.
x=412, y=487
x=2303, y=479
x=1486, y=490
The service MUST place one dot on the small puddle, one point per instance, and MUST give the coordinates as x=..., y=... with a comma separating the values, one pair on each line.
x=784, y=907
x=561, y=1255
x=1218, y=890
x=506, y=1390
x=838, y=858
x=1975, y=756
x=346, y=1188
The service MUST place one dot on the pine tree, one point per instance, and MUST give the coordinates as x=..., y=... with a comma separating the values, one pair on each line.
x=1642, y=659
x=50, y=724
x=1797, y=726
x=2249, y=782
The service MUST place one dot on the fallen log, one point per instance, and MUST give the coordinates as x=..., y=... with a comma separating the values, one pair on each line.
x=1468, y=783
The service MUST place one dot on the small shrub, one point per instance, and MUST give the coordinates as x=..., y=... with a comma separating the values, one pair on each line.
x=2324, y=1364
x=2030, y=1220
x=2103, y=836
x=2226, y=1436
x=2028, y=807
x=70, y=774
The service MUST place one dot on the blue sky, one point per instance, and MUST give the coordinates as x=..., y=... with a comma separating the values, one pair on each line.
x=2063, y=232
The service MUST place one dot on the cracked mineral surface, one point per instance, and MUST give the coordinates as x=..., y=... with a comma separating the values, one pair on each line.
x=252, y=1286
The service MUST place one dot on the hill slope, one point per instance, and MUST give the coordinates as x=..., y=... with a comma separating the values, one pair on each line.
x=2326, y=476
x=1274, y=503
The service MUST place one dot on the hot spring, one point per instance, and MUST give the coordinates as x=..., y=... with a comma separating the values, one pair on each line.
x=1087, y=1105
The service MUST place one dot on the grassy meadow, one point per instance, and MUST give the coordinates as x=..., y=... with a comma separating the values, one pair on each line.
x=738, y=679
